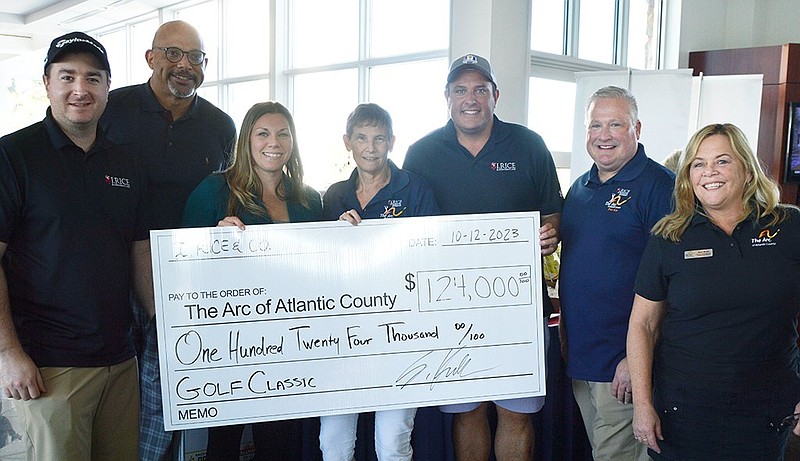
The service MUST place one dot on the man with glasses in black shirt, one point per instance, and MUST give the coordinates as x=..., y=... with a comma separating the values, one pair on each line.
x=180, y=138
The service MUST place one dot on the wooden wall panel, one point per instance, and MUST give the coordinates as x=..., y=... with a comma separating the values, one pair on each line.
x=780, y=66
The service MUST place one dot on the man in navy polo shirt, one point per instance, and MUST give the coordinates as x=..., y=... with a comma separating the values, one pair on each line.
x=605, y=225
x=180, y=138
x=480, y=164
x=73, y=242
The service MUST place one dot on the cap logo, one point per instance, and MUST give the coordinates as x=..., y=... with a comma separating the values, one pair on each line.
x=69, y=41
x=470, y=59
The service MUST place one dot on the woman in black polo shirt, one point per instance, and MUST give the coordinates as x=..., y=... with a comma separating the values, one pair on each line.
x=712, y=339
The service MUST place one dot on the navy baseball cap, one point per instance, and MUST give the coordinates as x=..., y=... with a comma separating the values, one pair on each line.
x=76, y=42
x=471, y=62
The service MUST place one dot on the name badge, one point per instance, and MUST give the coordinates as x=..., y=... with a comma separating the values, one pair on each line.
x=695, y=254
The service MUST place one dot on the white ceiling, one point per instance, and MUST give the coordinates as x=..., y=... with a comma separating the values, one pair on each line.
x=29, y=25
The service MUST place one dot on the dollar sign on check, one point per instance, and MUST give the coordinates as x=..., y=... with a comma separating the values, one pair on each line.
x=410, y=283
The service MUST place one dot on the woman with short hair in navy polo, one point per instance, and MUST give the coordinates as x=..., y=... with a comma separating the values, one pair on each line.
x=377, y=188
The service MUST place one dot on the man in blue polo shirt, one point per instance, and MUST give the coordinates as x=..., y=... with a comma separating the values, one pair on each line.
x=73, y=242
x=180, y=138
x=480, y=164
x=605, y=225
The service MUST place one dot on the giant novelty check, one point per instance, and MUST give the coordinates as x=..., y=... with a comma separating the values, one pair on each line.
x=294, y=320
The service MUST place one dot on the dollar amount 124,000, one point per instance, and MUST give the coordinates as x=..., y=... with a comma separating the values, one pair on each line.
x=486, y=286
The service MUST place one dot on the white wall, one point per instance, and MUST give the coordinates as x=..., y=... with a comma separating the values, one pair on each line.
x=489, y=28
x=702, y=27
x=722, y=24
x=779, y=22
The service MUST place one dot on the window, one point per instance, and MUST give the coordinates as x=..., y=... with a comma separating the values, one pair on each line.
x=322, y=32
x=247, y=39
x=116, y=45
x=596, y=30
x=619, y=32
x=412, y=117
x=319, y=58
x=321, y=104
x=570, y=36
x=644, y=18
x=22, y=95
x=551, y=105
x=345, y=52
x=390, y=31
x=204, y=18
x=126, y=46
x=547, y=26
x=141, y=40
x=242, y=96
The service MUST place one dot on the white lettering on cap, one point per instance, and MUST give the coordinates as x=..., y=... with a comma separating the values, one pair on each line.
x=68, y=41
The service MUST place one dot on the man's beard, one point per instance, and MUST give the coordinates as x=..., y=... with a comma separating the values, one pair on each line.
x=181, y=94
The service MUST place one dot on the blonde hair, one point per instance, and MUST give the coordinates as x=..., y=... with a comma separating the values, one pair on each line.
x=673, y=161
x=761, y=194
x=245, y=185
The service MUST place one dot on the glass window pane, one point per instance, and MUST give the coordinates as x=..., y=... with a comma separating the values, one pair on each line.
x=564, y=179
x=242, y=96
x=210, y=93
x=23, y=99
x=204, y=18
x=642, y=34
x=551, y=107
x=547, y=26
x=596, y=31
x=116, y=45
x=246, y=38
x=412, y=118
x=391, y=20
x=141, y=40
x=322, y=102
x=323, y=32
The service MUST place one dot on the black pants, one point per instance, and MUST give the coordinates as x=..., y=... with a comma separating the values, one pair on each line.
x=274, y=441
x=704, y=425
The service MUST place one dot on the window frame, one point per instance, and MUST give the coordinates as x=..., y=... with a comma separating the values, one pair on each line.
x=571, y=18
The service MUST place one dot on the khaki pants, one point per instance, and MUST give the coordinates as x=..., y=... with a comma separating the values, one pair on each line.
x=86, y=414
x=609, y=423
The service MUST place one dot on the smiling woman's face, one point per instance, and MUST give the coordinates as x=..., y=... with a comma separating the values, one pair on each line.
x=271, y=143
x=717, y=176
x=370, y=145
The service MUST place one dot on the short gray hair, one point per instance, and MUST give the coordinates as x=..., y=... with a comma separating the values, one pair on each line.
x=615, y=92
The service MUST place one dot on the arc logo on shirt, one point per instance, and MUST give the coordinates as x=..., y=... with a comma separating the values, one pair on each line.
x=503, y=166
x=765, y=238
x=393, y=209
x=618, y=198
x=114, y=181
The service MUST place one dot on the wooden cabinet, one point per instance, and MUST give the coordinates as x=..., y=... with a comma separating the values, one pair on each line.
x=780, y=66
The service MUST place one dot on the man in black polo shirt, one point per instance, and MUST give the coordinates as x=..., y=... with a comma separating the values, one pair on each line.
x=73, y=243
x=180, y=138
x=480, y=164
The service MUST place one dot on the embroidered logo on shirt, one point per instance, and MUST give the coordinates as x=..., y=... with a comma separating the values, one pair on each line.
x=393, y=209
x=503, y=166
x=618, y=198
x=695, y=254
x=114, y=181
x=765, y=238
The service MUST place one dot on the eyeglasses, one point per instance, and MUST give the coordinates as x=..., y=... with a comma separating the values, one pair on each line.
x=788, y=422
x=175, y=54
